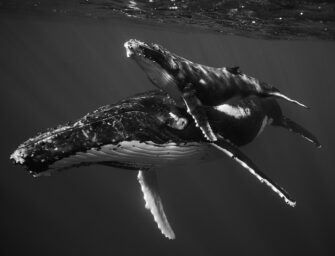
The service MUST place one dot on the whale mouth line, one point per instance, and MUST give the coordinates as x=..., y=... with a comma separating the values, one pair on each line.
x=143, y=52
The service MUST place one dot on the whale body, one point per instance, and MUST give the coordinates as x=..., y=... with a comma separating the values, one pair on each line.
x=149, y=131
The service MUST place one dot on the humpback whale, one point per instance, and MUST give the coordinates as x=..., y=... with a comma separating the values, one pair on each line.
x=148, y=131
x=194, y=85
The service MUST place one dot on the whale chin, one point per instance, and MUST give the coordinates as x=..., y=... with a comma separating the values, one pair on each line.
x=157, y=75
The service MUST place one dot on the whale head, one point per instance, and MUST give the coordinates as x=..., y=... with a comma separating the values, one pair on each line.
x=160, y=65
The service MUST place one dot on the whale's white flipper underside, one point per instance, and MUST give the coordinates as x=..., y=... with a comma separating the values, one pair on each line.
x=282, y=96
x=237, y=155
x=197, y=111
x=153, y=201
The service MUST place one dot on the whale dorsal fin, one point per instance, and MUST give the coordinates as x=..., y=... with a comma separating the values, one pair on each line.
x=235, y=70
x=153, y=201
x=233, y=152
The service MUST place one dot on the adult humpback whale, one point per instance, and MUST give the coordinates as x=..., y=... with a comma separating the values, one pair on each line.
x=148, y=131
x=194, y=85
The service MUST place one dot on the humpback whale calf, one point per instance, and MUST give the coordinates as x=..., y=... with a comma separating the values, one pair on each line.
x=194, y=85
x=149, y=131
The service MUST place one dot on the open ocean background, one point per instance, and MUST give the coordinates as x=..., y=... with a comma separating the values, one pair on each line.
x=55, y=68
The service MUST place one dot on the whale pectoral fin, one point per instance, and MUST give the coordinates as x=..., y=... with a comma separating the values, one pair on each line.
x=278, y=94
x=298, y=129
x=237, y=155
x=197, y=111
x=153, y=201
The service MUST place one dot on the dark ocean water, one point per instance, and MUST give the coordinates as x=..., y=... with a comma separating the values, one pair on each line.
x=55, y=69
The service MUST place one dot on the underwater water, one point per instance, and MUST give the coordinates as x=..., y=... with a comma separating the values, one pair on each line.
x=58, y=68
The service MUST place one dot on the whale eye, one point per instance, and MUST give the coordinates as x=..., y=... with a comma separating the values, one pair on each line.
x=181, y=123
x=177, y=122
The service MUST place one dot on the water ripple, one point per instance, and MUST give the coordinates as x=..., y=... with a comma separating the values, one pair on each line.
x=271, y=19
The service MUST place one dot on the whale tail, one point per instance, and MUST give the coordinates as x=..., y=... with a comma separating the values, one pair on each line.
x=296, y=128
x=278, y=94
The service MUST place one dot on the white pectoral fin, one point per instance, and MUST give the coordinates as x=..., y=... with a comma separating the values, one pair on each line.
x=237, y=155
x=282, y=96
x=153, y=201
x=197, y=111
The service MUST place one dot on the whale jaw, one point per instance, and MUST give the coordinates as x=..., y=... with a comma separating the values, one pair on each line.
x=133, y=155
x=157, y=62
